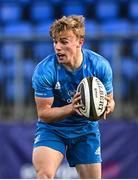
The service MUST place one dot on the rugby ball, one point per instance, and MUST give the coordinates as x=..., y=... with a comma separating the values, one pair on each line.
x=93, y=99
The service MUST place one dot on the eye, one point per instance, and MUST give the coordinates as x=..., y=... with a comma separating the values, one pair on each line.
x=55, y=42
x=64, y=42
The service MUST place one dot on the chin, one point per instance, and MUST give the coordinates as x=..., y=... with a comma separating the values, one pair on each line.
x=62, y=61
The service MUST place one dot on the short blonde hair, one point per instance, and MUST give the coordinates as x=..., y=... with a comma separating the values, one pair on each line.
x=74, y=23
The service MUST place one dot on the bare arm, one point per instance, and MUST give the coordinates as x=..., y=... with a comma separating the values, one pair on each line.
x=52, y=114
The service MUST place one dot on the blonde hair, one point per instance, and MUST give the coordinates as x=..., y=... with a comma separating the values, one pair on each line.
x=74, y=23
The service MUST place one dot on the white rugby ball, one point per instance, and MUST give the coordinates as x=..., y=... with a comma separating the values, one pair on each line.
x=93, y=99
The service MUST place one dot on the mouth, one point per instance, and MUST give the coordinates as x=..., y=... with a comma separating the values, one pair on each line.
x=60, y=56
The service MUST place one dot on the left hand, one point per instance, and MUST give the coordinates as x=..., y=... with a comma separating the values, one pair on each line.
x=110, y=105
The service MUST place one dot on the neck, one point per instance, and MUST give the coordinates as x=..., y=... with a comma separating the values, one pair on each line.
x=76, y=61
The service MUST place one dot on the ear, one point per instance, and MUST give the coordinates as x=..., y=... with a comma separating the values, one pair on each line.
x=81, y=41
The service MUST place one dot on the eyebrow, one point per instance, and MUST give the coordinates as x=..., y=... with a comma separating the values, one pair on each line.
x=57, y=39
x=63, y=38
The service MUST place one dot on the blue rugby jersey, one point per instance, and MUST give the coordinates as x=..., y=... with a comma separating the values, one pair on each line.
x=51, y=79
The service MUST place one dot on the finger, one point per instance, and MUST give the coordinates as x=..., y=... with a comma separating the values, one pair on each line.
x=76, y=100
x=104, y=116
x=77, y=94
x=78, y=112
x=76, y=106
x=108, y=109
x=107, y=98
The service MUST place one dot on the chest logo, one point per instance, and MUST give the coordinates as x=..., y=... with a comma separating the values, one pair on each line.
x=57, y=86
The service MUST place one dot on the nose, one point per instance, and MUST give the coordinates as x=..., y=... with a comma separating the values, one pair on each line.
x=57, y=45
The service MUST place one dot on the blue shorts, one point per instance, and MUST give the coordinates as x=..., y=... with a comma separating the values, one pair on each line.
x=80, y=150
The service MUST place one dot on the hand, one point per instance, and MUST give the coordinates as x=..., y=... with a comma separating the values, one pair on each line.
x=110, y=105
x=75, y=103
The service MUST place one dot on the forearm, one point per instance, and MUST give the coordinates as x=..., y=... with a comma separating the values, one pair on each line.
x=54, y=114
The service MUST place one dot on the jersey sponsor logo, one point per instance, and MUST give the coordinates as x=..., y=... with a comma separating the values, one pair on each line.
x=57, y=86
x=69, y=100
x=71, y=93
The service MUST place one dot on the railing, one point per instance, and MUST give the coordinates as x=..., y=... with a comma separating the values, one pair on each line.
x=22, y=107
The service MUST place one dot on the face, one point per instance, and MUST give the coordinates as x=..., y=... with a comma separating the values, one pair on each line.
x=67, y=46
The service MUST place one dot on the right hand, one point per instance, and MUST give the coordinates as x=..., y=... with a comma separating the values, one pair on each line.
x=75, y=103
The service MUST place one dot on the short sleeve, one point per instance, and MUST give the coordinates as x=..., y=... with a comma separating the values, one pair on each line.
x=42, y=83
x=105, y=75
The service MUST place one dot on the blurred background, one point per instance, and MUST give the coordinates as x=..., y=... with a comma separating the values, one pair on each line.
x=112, y=31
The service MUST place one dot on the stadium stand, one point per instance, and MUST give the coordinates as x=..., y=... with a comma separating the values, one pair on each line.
x=41, y=12
x=18, y=29
x=116, y=27
x=133, y=9
x=73, y=8
x=107, y=10
x=10, y=13
x=26, y=18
